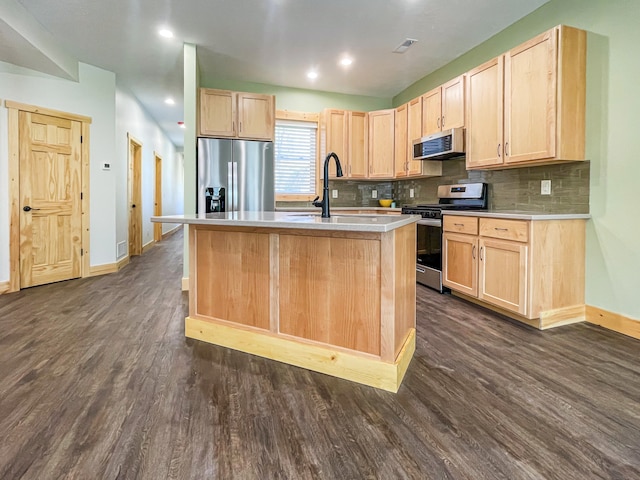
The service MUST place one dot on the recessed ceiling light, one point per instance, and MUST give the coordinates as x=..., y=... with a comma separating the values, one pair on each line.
x=170, y=101
x=346, y=61
x=165, y=32
x=312, y=74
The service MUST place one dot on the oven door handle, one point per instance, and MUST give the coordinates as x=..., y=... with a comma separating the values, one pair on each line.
x=430, y=222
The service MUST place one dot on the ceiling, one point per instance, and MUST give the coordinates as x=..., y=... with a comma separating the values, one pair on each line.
x=263, y=41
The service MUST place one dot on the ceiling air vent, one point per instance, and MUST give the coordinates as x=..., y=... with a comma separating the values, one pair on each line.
x=404, y=46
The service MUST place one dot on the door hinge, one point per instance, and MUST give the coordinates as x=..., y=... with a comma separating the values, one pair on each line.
x=81, y=139
x=81, y=252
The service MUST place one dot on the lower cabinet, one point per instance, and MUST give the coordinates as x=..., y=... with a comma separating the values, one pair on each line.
x=531, y=268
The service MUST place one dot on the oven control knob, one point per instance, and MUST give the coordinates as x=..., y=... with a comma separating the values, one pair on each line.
x=432, y=214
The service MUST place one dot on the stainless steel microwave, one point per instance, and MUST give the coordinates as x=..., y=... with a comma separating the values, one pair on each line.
x=440, y=146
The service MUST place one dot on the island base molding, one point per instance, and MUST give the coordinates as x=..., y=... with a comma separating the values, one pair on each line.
x=548, y=319
x=363, y=369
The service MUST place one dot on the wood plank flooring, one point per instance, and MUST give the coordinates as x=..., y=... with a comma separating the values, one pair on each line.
x=98, y=382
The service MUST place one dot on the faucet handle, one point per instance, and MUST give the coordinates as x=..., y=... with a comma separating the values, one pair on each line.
x=316, y=203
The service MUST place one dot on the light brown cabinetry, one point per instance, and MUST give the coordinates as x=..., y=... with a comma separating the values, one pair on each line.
x=223, y=113
x=401, y=156
x=531, y=270
x=443, y=107
x=381, y=143
x=527, y=106
x=344, y=133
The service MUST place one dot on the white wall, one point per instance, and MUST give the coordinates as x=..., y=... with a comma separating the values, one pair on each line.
x=93, y=96
x=133, y=119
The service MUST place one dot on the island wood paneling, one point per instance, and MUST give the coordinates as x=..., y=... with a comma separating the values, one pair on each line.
x=330, y=290
x=404, y=284
x=232, y=266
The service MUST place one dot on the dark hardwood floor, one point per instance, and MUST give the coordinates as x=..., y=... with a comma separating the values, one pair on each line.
x=98, y=382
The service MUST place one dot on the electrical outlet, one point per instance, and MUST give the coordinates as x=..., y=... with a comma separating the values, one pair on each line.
x=545, y=187
x=411, y=193
x=334, y=193
x=374, y=193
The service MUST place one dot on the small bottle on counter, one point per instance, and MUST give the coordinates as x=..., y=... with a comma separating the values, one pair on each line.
x=393, y=204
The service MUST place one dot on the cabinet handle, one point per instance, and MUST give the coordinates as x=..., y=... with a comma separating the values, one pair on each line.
x=370, y=169
x=459, y=224
x=233, y=126
x=501, y=229
x=438, y=122
x=473, y=252
x=506, y=149
x=499, y=150
x=481, y=248
x=240, y=126
x=443, y=121
x=349, y=169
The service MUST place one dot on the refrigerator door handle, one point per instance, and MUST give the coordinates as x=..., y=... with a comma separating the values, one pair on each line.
x=229, y=199
x=235, y=192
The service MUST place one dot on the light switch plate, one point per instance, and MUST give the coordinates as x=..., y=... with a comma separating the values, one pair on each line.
x=106, y=166
x=334, y=193
x=411, y=193
x=374, y=193
x=545, y=187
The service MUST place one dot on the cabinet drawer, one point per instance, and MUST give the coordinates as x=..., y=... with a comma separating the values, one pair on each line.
x=454, y=223
x=517, y=230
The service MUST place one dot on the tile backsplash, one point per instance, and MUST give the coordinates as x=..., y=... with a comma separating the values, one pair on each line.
x=512, y=189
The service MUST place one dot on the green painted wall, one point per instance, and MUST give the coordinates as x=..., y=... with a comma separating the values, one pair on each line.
x=613, y=134
x=301, y=100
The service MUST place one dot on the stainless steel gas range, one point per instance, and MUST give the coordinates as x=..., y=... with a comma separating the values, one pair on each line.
x=467, y=196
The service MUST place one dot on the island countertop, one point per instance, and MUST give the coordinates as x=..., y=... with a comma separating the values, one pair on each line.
x=298, y=220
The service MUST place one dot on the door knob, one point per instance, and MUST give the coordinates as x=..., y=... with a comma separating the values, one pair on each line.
x=133, y=206
x=27, y=208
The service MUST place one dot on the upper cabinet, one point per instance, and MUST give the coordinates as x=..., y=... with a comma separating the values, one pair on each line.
x=401, y=156
x=381, y=143
x=444, y=107
x=344, y=133
x=527, y=106
x=223, y=113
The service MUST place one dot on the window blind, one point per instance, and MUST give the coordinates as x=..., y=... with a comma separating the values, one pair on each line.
x=295, y=158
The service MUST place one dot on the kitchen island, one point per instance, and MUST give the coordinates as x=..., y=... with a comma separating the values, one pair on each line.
x=335, y=295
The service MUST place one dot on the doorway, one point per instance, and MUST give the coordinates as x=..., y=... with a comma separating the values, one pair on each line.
x=48, y=195
x=135, y=196
x=157, y=206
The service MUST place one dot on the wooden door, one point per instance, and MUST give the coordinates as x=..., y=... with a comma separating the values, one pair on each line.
x=50, y=199
x=381, y=143
x=431, y=112
x=530, y=100
x=357, y=140
x=460, y=262
x=157, y=205
x=217, y=113
x=135, y=197
x=503, y=274
x=453, y=103
x=400, y=161
x=484, y=114
x=256, y=116
x=335, y=129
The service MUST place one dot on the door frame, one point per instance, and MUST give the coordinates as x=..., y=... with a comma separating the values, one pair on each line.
x=157, y=204
x=14, y=186
x=134, y=163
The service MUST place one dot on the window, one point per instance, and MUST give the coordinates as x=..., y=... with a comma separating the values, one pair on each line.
x=295, y=159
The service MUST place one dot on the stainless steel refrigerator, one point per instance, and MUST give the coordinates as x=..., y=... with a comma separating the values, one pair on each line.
x=235, y=175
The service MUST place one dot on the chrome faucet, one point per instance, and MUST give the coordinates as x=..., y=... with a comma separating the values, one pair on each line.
x=324, y=203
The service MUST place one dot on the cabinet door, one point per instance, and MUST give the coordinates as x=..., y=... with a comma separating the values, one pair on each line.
x=484, y=114
x=414, y=132
x=256, y=116
x=217, y=113
x=400, y=157
x=460, y=263
x=381, y=143
x=357, y=140
x=530, y=100
x=335, y=139
x=503, y=274
x=453, y=103
x=432, y=112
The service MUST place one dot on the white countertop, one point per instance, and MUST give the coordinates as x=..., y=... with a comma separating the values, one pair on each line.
x=377, y=209
x=311, y=221
x=517, y=215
